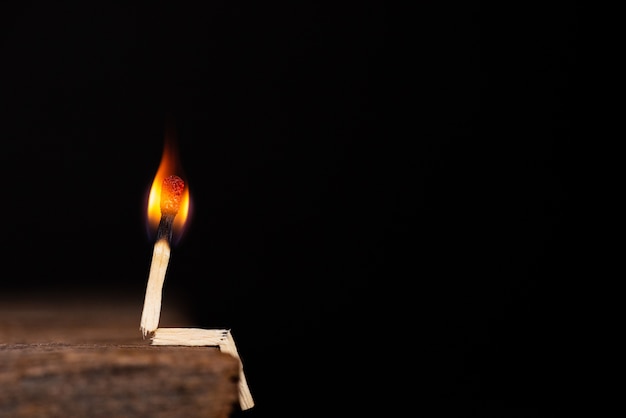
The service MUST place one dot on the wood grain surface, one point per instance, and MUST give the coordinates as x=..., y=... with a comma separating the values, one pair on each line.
x=84, y=356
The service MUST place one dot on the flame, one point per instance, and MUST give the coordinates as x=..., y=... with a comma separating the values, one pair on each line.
x=170, y=165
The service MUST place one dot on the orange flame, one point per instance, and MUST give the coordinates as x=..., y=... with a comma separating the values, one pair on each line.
x=170, y=165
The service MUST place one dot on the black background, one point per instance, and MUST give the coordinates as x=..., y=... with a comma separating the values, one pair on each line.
x=382, y=204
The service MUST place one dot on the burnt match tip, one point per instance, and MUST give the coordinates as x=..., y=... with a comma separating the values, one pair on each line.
x=171, y=194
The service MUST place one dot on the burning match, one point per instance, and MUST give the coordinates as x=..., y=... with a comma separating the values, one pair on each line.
x=171, y=196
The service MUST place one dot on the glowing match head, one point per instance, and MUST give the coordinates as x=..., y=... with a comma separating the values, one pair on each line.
x=171, y=195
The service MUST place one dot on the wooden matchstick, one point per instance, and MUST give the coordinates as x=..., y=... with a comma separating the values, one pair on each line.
x=171, y=195
x=207, y=337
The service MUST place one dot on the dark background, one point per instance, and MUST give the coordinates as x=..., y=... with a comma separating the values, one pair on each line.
x=394, y=184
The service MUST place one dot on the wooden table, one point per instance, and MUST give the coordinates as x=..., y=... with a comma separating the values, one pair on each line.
x=83, y=355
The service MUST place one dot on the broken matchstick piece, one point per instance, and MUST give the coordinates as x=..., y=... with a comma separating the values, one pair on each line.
x=171, y=196
x=207, y=337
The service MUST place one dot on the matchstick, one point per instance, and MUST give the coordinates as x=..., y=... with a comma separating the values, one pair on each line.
x=171, y=195
x=207, y=337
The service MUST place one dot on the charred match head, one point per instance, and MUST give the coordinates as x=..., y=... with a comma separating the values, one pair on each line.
x=171, y=195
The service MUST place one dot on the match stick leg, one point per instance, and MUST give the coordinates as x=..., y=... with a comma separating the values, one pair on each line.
x=245, y=397
x=207, y=337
